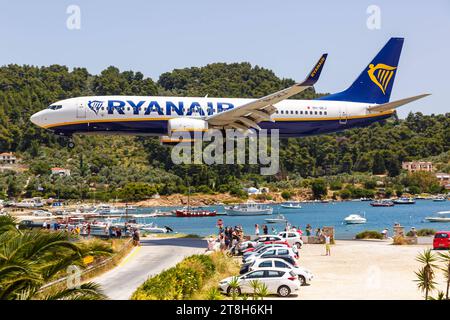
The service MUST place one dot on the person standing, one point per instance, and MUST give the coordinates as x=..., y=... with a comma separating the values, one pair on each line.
x=265, y=230
x=327, y=244
x=257, y=230
x=308, y=229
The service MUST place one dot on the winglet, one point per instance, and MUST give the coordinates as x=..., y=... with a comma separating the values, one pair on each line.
x=315, y=72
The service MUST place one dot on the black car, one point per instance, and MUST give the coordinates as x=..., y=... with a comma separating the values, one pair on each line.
x=28, y=224
x=245, y=267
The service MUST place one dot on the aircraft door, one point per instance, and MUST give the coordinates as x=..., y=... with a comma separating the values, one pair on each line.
x=343, y=114
x=81, y=110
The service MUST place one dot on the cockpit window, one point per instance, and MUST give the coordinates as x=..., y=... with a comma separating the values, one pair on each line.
x=55, y=107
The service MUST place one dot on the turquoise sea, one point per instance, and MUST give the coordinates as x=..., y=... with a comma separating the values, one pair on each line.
x=317, y=215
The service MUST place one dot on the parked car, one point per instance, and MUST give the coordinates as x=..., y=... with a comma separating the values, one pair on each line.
x=28, y=224
x=304, y=275
x=272, y=253
x=42, y=213
x=278, y=281
x=262, y=244
x=261, y=249
x=293, y=238
x=268, y=238
x=441, y=240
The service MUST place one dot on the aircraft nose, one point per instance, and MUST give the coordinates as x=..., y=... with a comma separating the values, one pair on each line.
x=37, y=118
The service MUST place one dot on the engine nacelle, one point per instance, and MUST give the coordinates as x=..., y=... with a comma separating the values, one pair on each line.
x=186, y=125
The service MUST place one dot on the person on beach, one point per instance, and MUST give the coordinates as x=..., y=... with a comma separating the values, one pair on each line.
x=136, y=238
x=327, y=244
x=385, y=233
x=308, y=229
x=265, y=230
x=256, y=230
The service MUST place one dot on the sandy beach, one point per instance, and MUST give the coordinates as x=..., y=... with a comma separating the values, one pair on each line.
x=363, y=270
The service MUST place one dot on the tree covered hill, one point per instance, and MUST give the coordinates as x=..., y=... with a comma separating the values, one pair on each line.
x=110, y=163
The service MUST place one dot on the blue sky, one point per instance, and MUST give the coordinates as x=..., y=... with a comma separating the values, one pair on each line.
x=285, y=36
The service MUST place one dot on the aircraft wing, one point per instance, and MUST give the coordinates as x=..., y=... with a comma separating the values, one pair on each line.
x=250, y=114
x=395, y=104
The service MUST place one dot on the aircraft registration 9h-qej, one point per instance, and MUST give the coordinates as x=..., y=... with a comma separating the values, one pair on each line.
x=363, y=103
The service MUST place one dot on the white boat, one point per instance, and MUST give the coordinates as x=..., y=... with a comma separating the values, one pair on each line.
x=437, y=219
x=443, y=216
x=279, y=219
x=355, y=219
x=248, y=209
x=106, y=209
x=291, y=205
x=439, y=199
x=152, y=228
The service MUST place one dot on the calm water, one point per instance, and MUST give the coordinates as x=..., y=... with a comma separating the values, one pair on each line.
x=316, y=214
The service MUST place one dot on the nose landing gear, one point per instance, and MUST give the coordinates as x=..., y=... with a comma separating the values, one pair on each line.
x=70, y=144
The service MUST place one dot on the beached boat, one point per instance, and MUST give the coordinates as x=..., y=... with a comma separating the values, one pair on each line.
x=382, y=203
x=279, y=219
x=248, y=209
x=404, y=201
x=291, y=205
x=30, y=203
x=355, y=219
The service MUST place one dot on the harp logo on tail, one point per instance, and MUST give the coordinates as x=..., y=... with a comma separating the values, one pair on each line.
x=381, y=75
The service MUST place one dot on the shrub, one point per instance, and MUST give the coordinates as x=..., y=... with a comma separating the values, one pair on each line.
x=286, y=195
x=400, y=240
x=369, y=234
x=335, y=185
x=422, y=232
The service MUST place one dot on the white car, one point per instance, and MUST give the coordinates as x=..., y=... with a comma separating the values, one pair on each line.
x=272, y=253
x=304, y=275
x=278, y=281
x=41, y=213
x=291, y=237
x=263, y=248
x=270, y=237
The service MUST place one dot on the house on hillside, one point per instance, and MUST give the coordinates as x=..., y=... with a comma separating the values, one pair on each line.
x=60, y=171
x=444, y=178
x=8, y=158
x=414, y=166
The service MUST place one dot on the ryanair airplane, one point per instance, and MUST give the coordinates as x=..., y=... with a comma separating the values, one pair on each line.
x=363, y=103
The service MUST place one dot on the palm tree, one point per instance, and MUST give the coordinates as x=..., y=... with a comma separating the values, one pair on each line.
x=425, y=275
x=255, y=284
x=234, y=287
x=445, y=257
x=31, y=258
x=262, y=291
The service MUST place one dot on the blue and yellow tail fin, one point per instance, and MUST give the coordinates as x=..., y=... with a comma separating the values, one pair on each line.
x=374, y=84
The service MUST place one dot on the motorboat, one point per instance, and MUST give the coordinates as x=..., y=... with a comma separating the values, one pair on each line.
x=443, y=216
x=404, y=201
x=355, y=219
x=279, y=219
x=382, y=203
x=439, y=199
x=248, y=209
x=291, y=205
x=153, y=228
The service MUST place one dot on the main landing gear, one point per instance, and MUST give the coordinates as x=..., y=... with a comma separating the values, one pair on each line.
x=70, y=144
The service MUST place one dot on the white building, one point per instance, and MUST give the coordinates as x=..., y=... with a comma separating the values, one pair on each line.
x=60, y=171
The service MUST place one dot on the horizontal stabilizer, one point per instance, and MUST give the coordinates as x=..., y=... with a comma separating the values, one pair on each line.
x=395, y=104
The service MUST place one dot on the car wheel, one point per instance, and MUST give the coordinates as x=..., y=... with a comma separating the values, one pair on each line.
x=284, y=291
x=236, y=291
x=298, y=245
x=302, y=280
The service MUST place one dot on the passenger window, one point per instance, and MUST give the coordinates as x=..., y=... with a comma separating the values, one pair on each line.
x=265, y=264
x=320, y=112
x=274, y=274
x=325, y=113
x=282, y=251
x=292, y=112
x=315, y=112
x=256, y=274
x=269, y=252
x=279, y=264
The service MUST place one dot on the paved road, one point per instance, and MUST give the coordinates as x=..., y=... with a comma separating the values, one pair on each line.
x=154, y=256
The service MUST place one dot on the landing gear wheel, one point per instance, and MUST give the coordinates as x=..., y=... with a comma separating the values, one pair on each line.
x=71, y=144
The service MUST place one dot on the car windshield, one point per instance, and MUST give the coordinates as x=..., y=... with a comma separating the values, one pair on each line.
x=441, y=235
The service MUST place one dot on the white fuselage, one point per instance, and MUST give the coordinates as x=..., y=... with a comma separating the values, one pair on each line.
x=144, y=115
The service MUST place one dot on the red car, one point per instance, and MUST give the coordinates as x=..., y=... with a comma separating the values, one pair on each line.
x=441, y=240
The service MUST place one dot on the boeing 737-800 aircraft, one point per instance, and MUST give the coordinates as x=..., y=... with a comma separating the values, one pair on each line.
x=363, y=103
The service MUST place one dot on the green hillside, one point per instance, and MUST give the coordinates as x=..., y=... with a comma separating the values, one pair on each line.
x=135, y=167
